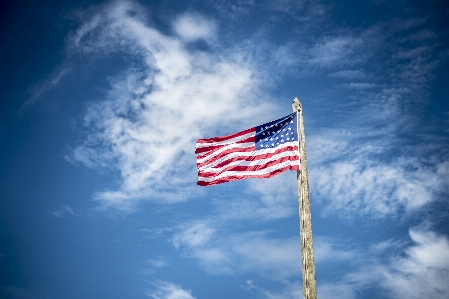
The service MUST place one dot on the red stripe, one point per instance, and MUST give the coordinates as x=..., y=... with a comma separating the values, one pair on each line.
x=227, y=152
x=236, y=178
x=248, y=168
x=222, y=138
x=245, y=158
x=213, y=147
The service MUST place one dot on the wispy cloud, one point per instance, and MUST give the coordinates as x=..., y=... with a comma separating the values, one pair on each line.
x=168, y=290
x=289, y=291
x=63, y=212
x=262, y=200
x=40, y=89
x=336, y=51
x=222, y=252
x=152, y=116
x=371, y=161
x=154, y=264
x=424, y=270
x=367, y=188
x=392, y=267
x=420, y=270
x=191, y=27
x=360, y=86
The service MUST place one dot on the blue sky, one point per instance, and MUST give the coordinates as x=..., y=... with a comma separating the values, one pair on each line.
x=102, y=103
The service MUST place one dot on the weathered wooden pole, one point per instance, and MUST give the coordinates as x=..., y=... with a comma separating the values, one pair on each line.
x=305, y=218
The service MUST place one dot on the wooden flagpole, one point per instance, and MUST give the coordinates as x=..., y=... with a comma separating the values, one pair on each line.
x=305, y=218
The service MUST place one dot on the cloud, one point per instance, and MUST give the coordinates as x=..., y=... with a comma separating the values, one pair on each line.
x=63, y=212
x=168, y=290
x=371, y=187
x=360, y=86
x=192, y=27
x=372, y=159
x=152, y=115
x=335, y=51
x=418, y=270
x=424, y=270
x=327, y=250
x=43, y=87
x=289, y=291
x=220, y=252
x=149, y=123
x=154, y=264
x=262, y=200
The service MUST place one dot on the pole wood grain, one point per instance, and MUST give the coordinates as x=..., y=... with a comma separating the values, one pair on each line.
x=305, y=217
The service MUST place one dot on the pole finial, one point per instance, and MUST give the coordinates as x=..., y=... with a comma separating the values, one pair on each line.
x=296, y=105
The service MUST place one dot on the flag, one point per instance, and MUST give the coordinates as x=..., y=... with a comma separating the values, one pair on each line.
x=259, y=152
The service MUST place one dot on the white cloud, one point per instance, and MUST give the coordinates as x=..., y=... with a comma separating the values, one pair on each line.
x=360, y=86
x=221, y=252
x=63, y=212
x=191, y=27
x=336, y=291
x=279, y=260
x=363, y=166
x=289, y=291
x=327, y=250
x=168, y=290
x=43, y=87
x=424, y=270
x=420, y=270
x=152, y=117
x=335, y=51
x=154, y=264
x=262, y=200
x=370, y=187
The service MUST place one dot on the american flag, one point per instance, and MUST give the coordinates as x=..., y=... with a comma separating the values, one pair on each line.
x=259, y=152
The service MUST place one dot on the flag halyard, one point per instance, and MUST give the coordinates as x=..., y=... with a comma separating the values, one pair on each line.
x=259, y=152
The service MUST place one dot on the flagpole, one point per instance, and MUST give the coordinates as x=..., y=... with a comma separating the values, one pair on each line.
x=305, y=218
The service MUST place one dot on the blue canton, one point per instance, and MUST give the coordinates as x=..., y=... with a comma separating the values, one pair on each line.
x=277, y=132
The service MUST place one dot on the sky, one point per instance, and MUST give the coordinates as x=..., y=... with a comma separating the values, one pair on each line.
x=101, y=106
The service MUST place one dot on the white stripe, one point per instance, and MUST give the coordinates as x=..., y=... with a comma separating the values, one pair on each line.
x=250, y=173
x=204, y=158
x=211, y=166
x=227, y=141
